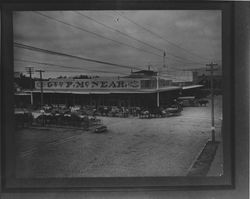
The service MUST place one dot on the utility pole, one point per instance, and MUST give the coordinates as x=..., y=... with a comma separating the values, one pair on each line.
x=212, y=69
x=41, y=84
x=30, y=71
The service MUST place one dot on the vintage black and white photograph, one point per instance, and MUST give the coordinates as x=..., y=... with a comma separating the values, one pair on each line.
x=118, y=93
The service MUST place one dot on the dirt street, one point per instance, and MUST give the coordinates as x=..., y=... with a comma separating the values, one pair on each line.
x=131, y=147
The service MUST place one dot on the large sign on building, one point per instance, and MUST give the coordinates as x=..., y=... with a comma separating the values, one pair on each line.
x=98, y=83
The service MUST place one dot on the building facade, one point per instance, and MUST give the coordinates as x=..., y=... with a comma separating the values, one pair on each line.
x=142, y=88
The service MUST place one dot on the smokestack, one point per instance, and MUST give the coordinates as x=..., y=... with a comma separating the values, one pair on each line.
x=148, y=67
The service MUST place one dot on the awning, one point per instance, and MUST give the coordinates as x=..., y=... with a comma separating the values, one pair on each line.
x=192, y=86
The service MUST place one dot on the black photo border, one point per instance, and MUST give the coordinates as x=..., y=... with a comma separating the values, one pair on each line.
x=8, y=181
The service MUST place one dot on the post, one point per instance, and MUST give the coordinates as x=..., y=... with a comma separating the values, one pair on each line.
x=211, y=65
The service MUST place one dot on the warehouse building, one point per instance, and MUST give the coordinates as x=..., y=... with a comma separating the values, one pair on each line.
x=142, y=88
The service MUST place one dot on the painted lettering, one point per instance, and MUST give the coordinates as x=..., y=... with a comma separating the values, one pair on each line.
x=120, y=84
x=49, y=84
x=87, y=84
x=79, y=84
x=94, y=84
x=68, y=84
x=112, y=85
x=104, y=84
x=61, y=84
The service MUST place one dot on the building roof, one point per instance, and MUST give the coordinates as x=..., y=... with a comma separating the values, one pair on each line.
x=143, y=73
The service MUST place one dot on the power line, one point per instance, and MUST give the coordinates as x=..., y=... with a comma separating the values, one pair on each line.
x=169, y=76
x=129, y=36
x=118, y=31
x=164, y=73
x=32, y=48
x=96, y=34
x=178, y=57
x=159, y=36
x=77, y=72
x=67, y=67
x=80, y=71
x=175, y=68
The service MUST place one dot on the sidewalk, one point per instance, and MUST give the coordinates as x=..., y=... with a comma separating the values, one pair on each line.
x=216, y=168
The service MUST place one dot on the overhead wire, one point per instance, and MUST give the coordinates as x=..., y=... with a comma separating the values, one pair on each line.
x=52, y=18
x=32, y=48
x=160, y=37
x=62, y=66
x=96, y=34
x=127, y=35
x=118, y=31
x=82, y=58
x=62, y=54
x=121, y=43
x=169, y=76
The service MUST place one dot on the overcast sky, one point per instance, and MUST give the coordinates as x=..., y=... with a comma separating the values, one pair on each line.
x=135, y=39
